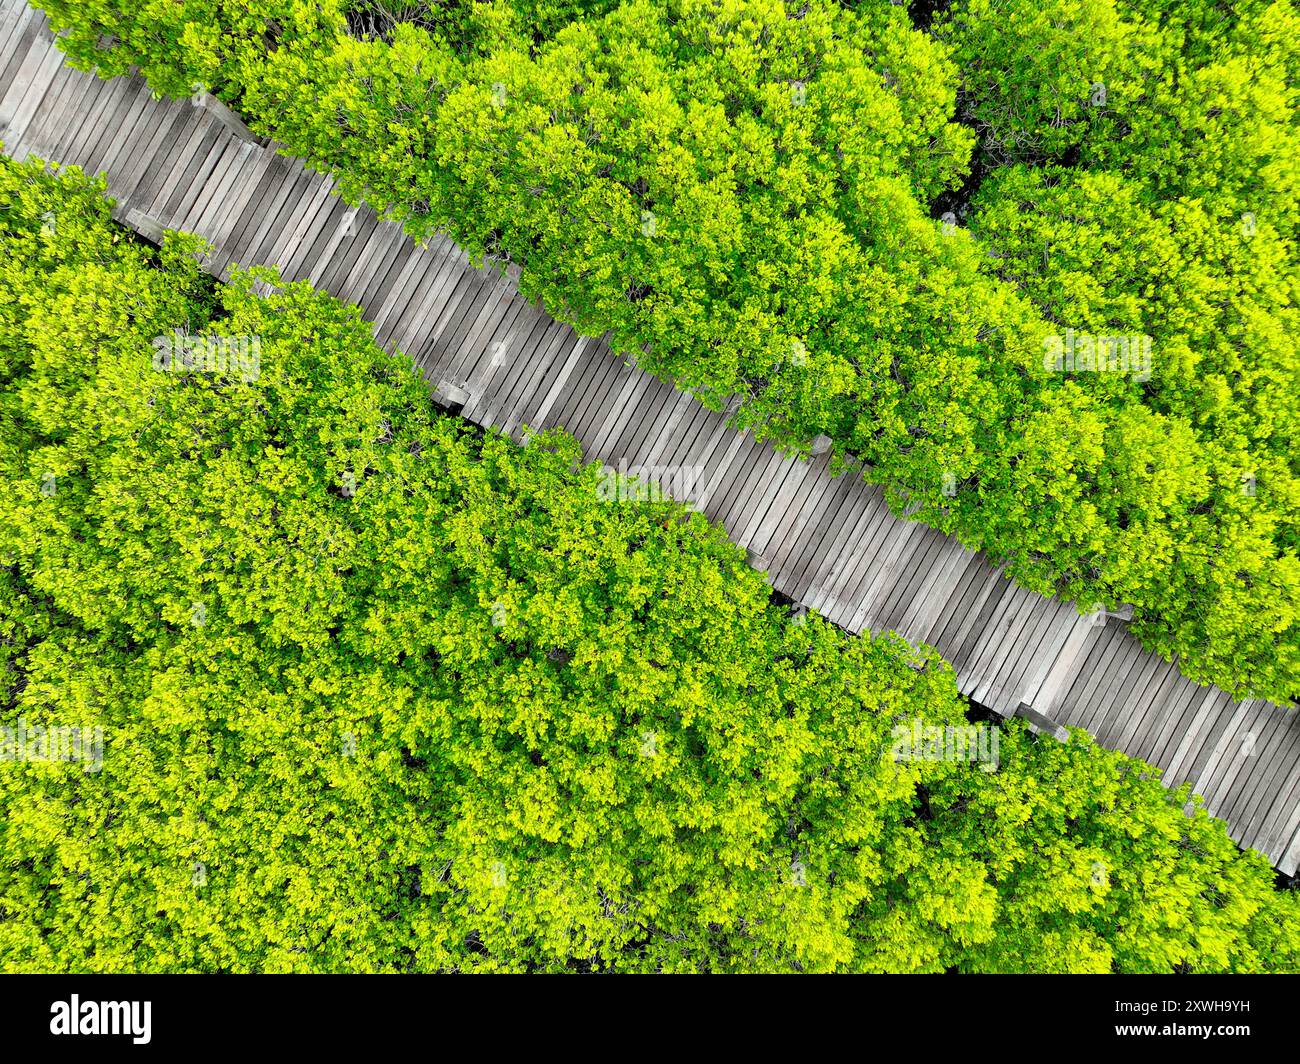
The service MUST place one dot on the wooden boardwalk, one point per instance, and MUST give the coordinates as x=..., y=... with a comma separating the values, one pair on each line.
x=827, y=542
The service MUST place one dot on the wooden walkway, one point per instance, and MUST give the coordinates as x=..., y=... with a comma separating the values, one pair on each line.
x=829, y=543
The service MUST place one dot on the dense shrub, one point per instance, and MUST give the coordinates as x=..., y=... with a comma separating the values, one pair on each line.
x=744, y=189
x=1164, y=206
x=381, y=694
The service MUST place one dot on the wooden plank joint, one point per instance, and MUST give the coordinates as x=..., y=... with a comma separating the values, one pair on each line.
x=146, y=225
x=205, y=101
x=1042, y=723
x=451, y=396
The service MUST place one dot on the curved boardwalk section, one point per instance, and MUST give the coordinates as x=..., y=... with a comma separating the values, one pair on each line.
x=827, y=542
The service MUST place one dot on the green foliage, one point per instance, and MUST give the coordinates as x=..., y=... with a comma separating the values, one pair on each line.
x=1169, y=212
x=1099, y=868
x=441, y=706
x=474, y=27
x=714, y=179
x=739, y=191
x=1042, y=78
x=381, y=694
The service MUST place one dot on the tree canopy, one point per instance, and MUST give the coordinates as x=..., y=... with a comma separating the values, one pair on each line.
x=872, y=231
x=378, y=692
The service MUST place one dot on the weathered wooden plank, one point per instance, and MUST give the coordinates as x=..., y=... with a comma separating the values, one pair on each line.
x=148, y=150
x=80, y=103
x=1121, y=662
x=101, y=129
x=649, y=415
x=717, y=468
x=1002, y=635
x=800, y=486
x=1074, y=690
x=973, y=631
x=494, y=369
x=244, y=228
x=30, y=25
x=472, y=311
x=634, y=386
x=538, y=336
x=208, y=103
x=519, y=408
x=172, y=200
x=1289, y=861
x=482, y=350
x=15, y=16
x=489, y=371
x=561, y=379
x=922, y=616
x=373, y=239
x=722, y=497
x=1211, y=717
x=779, y=477
x=866, y=561
x=611, y=374
x=836, y=587
x=1124, y=713
x=1123, y=671
x=127, y=158
x=169, y=142
x=441, y=276
x=305, y=228
x=1186, y=699
x=1241, y=782
x=410, y=333
x=926, y=563
x=968, y=581
x=202, y=210
x=1281, y=776
x=14, y=127
x=112, y=140
x=1279, y=828
x=1223, y=741
x=53, y=114
x=999, y=687
x=916, y=561
x=400, y=292
x=383, y=271
x=251, y=246
x=1219, y=779
x=440, y=323
x=809, y=552
x=1148, y=706
x=228, y=226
